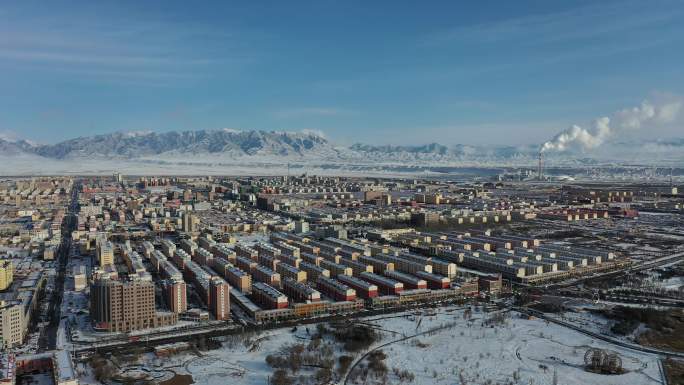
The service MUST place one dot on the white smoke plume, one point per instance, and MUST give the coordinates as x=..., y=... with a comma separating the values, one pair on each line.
x=603, y=128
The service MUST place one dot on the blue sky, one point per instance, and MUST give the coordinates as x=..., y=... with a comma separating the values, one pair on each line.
x=398, y=72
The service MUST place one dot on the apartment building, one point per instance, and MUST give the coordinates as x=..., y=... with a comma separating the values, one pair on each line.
x=219, y=298
x=105, y=253
x=6, y=274
x=11, y=323
x=117, y=306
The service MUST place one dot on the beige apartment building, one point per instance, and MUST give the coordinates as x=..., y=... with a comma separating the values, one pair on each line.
x=11, y=323
x=6, y=274
x=105, y=253
x=117, y=306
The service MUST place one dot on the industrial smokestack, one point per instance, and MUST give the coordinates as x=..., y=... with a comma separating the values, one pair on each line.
x=540, y=171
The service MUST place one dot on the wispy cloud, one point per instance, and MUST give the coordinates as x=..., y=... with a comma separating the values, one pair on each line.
x=601, y=31
x=125, y=48
x=303, y=112
x=588, y=22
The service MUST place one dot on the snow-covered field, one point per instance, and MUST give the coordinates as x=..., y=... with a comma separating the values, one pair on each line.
x=530, y=351
x=674, y=283
x=34, y=165
x=475, y=354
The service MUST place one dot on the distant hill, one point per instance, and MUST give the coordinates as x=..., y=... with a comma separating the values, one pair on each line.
x=129, y=145
x=223, y=150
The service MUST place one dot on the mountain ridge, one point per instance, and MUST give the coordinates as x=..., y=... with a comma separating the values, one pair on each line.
x=126, y=145
x=224, y=146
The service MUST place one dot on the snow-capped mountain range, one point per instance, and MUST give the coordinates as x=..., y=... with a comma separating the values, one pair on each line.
x=227, y=150
x=128, y=145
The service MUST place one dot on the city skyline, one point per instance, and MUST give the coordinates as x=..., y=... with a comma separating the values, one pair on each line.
x=341, y=192
x=381, y=73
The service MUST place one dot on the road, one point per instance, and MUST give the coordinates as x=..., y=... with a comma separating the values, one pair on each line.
x=123, y=343
x=608, y=297
x=602, y=337
x=643, y=349
x=679, y=256
x=363, y=356
x=54, y=309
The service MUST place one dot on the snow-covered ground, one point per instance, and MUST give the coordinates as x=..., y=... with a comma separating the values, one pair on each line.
x=477, y=354
x=36, y=165
x=673, y=283
x=468, y=351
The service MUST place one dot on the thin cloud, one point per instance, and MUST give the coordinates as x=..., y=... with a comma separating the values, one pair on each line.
x=593, y=21
x=303, y=112
x=120, y=48
x=82, y=58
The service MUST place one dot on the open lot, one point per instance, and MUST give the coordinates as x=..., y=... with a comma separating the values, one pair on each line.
x=452, y=348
